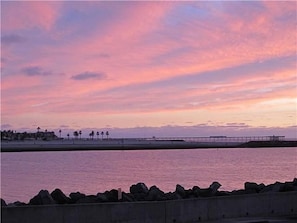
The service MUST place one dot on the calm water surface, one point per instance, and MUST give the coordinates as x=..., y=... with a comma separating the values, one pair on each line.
x=23, y=175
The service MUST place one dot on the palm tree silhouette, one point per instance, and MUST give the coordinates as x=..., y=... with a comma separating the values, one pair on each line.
x=107, y=134
x=75, y=133
x=79, y=134
x=68, y=136
x=97, y=133
x=37, y=134
x=60, y=132
x=102, y=134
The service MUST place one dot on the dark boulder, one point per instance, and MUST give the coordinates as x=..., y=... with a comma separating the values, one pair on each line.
x=205, y=192
x=223, y=193
x=252, y=187
x=189, y=194
x=17, y=204
x=180, y=190
x=127, y=197
x=102, y=197
x=87, y=199
x=287, y=186
x=155, y=194
x=139, y=196
x=260, y=187
x=238, y=192
x=60, y=197
x=139, y=188
x=196, y=191
x=276, y=187
x=266, y=189
x=42, y=198
x=112, y=196
x=272, y=188
x=3, y=203
x=74, y=197
x=214, y=187
x=172, y=196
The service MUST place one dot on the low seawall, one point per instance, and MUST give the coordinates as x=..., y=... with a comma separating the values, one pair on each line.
x=182, y=211
x=255, y=144
x=117, y=144
x=140, y=144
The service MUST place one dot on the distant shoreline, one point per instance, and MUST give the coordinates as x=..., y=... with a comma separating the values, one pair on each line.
x=130, y=144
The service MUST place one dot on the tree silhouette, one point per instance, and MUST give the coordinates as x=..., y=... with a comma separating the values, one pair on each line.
x=102, y=134
x=79, y=134
x=60, y=132
x=38, y=128
x=97, y=133
x=92, y=135
x=75, y=133
x=68, y=135
x=107, y=134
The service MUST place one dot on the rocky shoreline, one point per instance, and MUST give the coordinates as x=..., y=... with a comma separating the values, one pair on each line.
x=140, y=192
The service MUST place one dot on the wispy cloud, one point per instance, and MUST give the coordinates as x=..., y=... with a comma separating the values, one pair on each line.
x=5, y=126
x=35, y=71
x=89, y=75
x=11, y=39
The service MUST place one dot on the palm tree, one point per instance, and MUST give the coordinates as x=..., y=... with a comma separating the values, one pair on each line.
x=97, y=135
x=75, y=133
x=102, y=134
x=37, y=134
x=91, y=135
x=107, y=134
x=68, y=136
x=60, y=132
x=79, y=134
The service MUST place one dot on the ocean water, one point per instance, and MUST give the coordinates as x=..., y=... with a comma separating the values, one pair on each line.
x=23, y=175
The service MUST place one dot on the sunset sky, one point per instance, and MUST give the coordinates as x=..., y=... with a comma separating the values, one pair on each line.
x=150, y=68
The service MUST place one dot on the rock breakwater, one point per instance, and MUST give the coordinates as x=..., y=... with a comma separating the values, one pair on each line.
x=140, y=192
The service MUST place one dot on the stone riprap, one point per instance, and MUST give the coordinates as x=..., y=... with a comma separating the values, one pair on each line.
x=140, y=192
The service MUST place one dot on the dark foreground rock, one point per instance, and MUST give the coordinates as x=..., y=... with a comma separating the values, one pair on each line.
x=74, y=197
x=3, y=203
x=59, y=197
x=43, y=197
x=140, y=192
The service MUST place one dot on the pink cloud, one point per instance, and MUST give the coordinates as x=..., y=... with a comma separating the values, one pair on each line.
x=129, y=61
x=26, y=15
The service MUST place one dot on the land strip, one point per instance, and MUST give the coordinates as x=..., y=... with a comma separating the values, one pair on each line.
x=131, y=144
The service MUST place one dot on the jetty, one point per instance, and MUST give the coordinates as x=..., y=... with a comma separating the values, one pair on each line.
x=146, y=143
